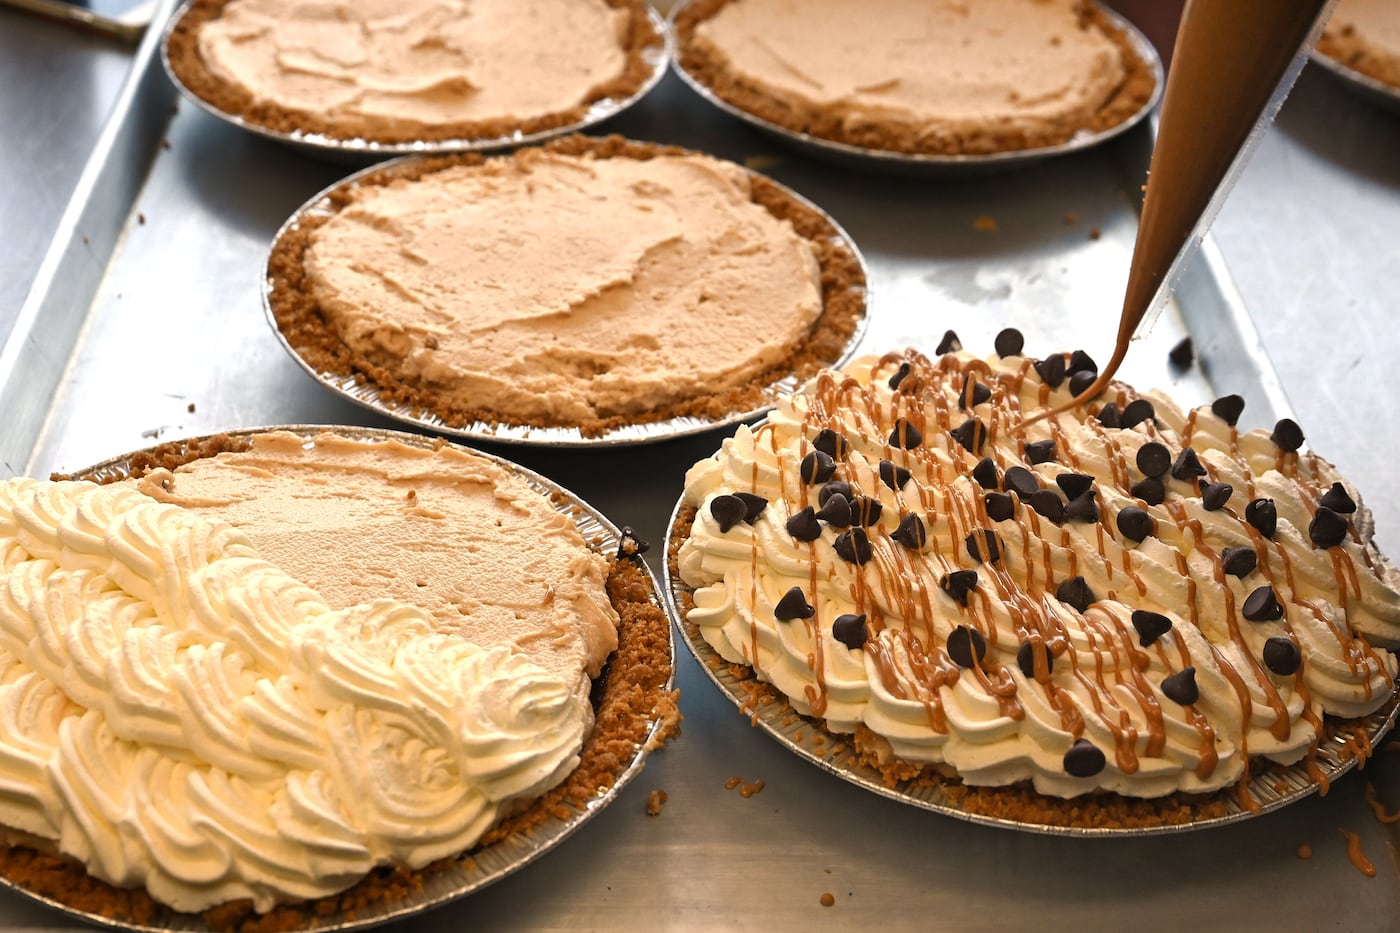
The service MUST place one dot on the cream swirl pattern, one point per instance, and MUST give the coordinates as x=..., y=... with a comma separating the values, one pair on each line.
x=178, y=714
x=1126, y=598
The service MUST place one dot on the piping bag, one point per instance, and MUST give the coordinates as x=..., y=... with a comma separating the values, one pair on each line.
x=1233, y=64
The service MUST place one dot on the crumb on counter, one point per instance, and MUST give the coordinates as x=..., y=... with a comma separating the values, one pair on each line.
x=827, y=899
x=1095, y=233
x=655, y=801
x=985, y=224
x=190, y=408
x=1071, y=218
x=1305, y=851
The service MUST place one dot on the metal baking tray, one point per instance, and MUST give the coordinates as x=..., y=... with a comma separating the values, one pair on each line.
x=145, y=325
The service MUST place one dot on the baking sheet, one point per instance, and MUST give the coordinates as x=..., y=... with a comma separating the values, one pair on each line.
x=158, y=311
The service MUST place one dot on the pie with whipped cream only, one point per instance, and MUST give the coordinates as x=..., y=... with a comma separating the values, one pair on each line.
x=412, y=70
x=1364, y=35
x=584, y=283
x=1127, y=600
x=948, y=77
x=280, y=677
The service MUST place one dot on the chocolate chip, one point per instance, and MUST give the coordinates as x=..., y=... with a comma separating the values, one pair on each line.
x=1080, y=381
x=1239, y=561
x=1287, y=435
x=1215, y=495
x=1000, y=505
x=1262, y=605
x=1020, y=481
x=831, y=444
x=836, y=512
x=1009, y=342
x=949, y=344
x=1027, y=654
x=831, y=489
x=1228, y=409
x=1181, y=687
x=1083, y=759
x=1327, y=528
x=1052, y=370
x=629, y=546
x=980, y=542
x=959, y=584
x=911, y=532
x=753, y=506
x=817, y=467
x=973, y=393
x=1150, y=626
x=865, y=510
x=1080, y=362
x=1083, y=508
x=893, y=476
x=793, y=605
x=1183, y=354
x=1136, y=412
x=1154, y=459
x=1282, y=656
x=1149, y=490
x=1075, y=592
x=971, y=435
x=1048, y=504
x=1262, y=514
x=1187, y=465
x=1074, y=485
x=850, y=631
x=905, y=435
x=728, y=511
x=1109, y=416
x=898, y=377
x=1040, y=451
x=853, y=546
x=804, y=526
x=1337, y=500
x=1135, y=524
x=985, y=473
x=966, y=646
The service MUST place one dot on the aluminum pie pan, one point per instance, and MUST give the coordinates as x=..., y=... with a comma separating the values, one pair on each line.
x=1378, y=92
x=655, y=55
x=931, y=165
x=479, y=867
x=369, y=396
x=807, y=738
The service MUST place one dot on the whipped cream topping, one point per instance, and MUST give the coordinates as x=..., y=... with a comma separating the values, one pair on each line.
x=563, y=290
x=378, y=65
x=1127, y=598
x=179, y=714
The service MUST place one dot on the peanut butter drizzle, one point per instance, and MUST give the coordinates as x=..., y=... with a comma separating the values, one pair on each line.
x=1382, y=814
x=1356, y=855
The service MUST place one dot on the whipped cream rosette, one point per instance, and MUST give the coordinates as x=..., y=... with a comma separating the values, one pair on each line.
x=1126, y=597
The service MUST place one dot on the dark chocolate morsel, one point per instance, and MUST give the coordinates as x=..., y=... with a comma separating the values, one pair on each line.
x=1074, y=485
x=850, y=631
x=1183, y=354
x=1075, y=591
x=911, y=532
x=1052, y=370
x=973, y=393
x=966, y=646
x=831, y=489
x=1281, y=655
x=1337, y=500
x=905, y=435
x=1262, y=605
x=817, y=467
x=865, y=510
x=1083, y=759
x=1080, y=362
x=793, y=605
x=836, y=512
x=853, y=546
x=1154, y=459
x=1287, y=435
x=893, y=476
x=985, y=473
x=1187, y=465
x=753, y=506
x=1228, y=408
x=1000, y=505
x=1215, y=495
x=1262, y=514
x=899, y=375
x=831, y=444
x=1026, y=656
x=1048, y=504
x=971, y=435
x=982, y=546
x=629, y=546
x=958, y=584
x=1020, y=481
x=1181, y=687
x=1239, y=561
x=728, y=511
x=1150, y=490
x=1136, y=412
x=1083, y=508
x=1109, y=416
x=1080, y=380
x=1327, y=528
x=804, y=526
x=1040, y=451
x=949, y=344
x=1135, y=524
x=1150, y=626
x=1009, y=342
